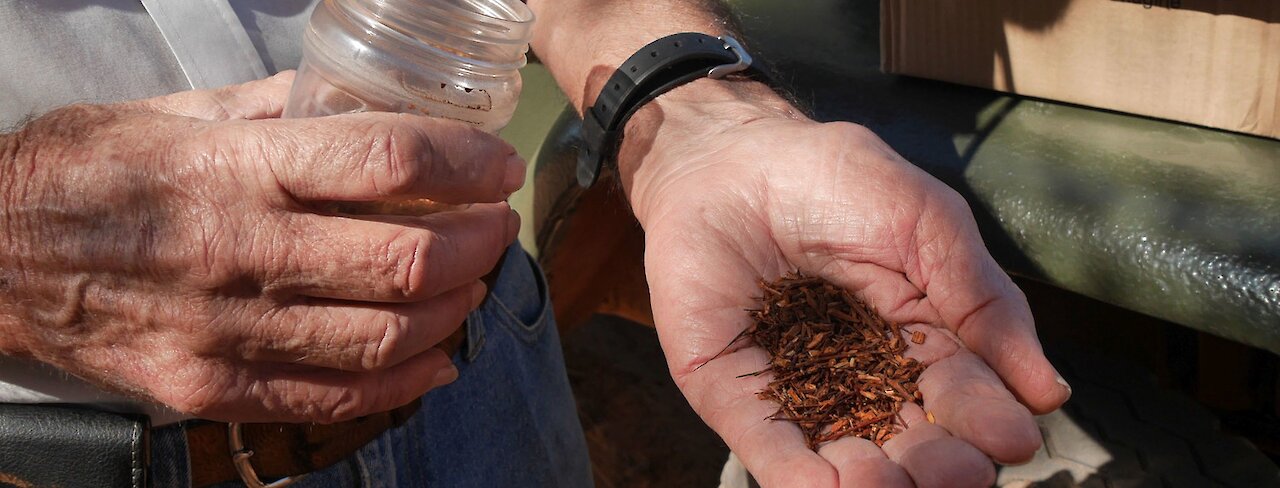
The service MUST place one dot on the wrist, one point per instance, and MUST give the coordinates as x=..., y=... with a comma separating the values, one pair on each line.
x=688, y=116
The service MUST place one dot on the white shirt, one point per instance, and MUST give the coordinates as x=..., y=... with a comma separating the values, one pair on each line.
x=57, y=52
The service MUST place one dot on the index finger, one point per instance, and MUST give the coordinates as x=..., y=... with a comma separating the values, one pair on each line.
x=385, y=156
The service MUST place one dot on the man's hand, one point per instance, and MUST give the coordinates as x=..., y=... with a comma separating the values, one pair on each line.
x=170, y=248
x=732, y=185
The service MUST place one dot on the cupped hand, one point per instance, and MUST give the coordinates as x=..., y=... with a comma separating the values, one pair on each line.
x=171, y=248
x=729, y=191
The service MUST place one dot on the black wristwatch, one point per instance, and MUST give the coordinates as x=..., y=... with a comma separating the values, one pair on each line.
x=653, y=70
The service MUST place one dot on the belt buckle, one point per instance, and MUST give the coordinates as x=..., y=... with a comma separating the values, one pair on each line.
x=240, y=459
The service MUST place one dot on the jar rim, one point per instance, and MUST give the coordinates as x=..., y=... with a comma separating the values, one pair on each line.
x=450, y=29
x=521, y=12
x=486, y=21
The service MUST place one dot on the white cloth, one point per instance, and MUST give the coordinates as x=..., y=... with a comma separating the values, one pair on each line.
x=57, y=52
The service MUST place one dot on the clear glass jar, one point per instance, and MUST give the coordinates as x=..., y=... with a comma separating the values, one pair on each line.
x=454, y=59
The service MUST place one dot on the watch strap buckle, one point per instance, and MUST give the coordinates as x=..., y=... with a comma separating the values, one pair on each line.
x=743, y=64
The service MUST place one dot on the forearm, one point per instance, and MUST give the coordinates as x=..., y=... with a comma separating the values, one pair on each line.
x=583, y=41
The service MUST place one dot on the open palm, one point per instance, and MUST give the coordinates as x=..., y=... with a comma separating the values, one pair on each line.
x=832, y=200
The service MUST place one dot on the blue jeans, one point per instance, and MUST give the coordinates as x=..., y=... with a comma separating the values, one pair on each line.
x=509, y=419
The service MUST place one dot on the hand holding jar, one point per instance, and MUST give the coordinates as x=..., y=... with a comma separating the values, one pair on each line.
x=456, y=60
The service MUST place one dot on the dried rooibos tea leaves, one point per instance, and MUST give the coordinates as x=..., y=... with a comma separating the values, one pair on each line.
x=837, y=366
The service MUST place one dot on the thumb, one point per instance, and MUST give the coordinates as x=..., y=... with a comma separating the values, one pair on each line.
x=258, y=99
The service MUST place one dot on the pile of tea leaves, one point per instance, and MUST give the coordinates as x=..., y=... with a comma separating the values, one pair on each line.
x=837, y=365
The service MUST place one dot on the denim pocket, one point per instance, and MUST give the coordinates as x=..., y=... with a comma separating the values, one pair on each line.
x=521, y=300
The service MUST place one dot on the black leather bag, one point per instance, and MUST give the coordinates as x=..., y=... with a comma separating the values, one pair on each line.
x=67, y=447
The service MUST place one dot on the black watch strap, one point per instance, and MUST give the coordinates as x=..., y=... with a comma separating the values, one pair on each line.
x=653, y=70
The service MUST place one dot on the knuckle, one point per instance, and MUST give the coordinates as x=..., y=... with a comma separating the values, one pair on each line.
x=240, y=140
x=849, y=130
x=380, y=352
x=955, y=203
x=340, y=404
x=408, y=255
x=390, y=158
x=203, y=393
x=208, y=104
x=221, y=103
x=230, y=151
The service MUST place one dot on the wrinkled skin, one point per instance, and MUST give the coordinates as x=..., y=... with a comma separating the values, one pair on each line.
x=169, y=248
x=736, y=187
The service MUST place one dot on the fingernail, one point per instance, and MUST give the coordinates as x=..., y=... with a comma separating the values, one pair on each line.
x=513, y=226
x=1063, y=382
x=514, y=178
x=478, y=291
x=445, y=376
